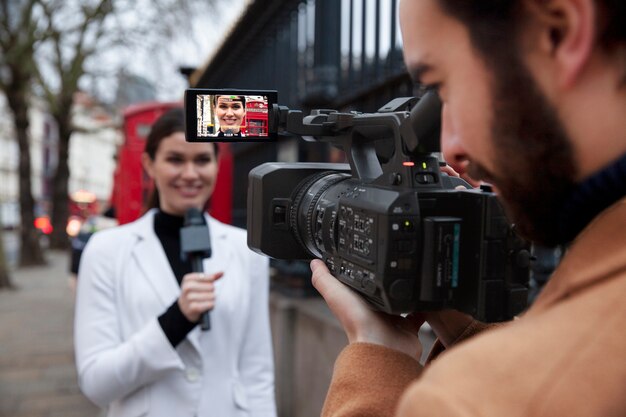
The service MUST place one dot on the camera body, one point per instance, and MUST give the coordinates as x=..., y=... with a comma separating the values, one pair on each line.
x=404, y=250
x=389, y=224
x=404, y=235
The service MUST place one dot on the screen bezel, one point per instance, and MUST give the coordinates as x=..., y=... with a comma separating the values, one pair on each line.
x=191, y=120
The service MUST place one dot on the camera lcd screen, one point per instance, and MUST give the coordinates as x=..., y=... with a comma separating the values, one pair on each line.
x=214, y=115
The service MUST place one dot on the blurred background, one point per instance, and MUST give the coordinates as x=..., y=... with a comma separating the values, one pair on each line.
x=81, y=81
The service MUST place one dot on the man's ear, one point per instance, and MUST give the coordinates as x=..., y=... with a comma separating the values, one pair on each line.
x=567, y=33
x=147, y=164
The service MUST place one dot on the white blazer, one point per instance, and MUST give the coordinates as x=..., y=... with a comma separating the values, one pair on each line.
x=124, y=359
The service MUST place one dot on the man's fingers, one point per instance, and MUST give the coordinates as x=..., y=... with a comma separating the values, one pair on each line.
x=328, y=286
x=318, y=278
x=449, y=170
x=349, y=308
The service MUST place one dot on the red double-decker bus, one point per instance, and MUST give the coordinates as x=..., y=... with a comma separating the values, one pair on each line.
x=132, y=185
x=256, y=116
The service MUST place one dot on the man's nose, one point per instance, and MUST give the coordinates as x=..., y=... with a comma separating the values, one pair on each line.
x=453, y=151
x=454, y=154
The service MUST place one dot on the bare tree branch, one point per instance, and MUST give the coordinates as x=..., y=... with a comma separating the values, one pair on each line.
x=56, y=43
x=19, y=36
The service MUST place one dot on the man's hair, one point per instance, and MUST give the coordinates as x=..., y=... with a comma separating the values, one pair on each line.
x=494, y=25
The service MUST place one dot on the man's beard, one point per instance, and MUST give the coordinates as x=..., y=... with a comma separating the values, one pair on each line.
x=534, y=165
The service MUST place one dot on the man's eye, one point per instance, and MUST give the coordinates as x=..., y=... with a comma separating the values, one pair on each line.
x=174, y=160
x=425, y=88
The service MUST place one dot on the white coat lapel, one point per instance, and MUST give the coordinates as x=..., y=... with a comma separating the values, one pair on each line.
x=152, y=260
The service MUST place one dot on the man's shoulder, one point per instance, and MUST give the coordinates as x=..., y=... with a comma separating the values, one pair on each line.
x=554, y=358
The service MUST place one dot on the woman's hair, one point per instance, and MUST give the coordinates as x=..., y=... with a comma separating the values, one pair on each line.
x=170, y=122
x=233, y=98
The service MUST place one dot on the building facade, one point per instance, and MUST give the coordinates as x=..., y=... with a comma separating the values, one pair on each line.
x=93, y=147
x=91, y=160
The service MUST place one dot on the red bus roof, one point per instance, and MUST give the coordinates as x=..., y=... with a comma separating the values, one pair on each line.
x=149, y=106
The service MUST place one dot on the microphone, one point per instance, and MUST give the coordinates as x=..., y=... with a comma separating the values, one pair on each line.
x=195, y=245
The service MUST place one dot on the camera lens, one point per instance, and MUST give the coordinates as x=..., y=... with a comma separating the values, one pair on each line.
x=314, y=205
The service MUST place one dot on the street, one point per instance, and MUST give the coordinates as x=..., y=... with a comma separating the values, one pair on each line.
x=11, y=246
x=37, y=373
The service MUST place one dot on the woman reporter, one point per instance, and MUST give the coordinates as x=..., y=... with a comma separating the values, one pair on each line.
x=139, y=350
x=230, y=112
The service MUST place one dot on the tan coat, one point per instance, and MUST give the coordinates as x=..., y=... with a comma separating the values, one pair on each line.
x=565, y=357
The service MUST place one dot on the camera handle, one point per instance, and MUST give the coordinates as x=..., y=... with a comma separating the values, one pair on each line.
x=414, y=133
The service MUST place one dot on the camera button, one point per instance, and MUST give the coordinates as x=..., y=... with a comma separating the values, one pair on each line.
x=425, y=178
x=401, y=289
x=369, y=286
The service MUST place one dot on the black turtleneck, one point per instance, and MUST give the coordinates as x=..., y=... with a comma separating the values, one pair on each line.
x=167, y=228
x=173, y=322
x=592, y=196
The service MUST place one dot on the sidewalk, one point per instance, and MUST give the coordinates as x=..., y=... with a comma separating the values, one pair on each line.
x=37, y=373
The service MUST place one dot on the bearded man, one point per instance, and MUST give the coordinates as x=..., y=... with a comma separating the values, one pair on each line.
x=534, y=102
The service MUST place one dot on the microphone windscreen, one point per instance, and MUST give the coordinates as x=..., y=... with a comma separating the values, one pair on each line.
x=193, y=216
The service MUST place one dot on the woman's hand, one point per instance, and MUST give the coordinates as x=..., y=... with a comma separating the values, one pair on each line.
x=360, y=322
x=197, y=294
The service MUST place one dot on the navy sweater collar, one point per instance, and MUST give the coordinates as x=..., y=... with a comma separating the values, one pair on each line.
x=592, y=196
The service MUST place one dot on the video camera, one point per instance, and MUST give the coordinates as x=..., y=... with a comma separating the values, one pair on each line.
x=389, y=224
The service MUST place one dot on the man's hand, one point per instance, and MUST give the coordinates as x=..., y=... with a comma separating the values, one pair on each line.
x=360, y=322
x=451, y=172
x=448, y=325
x=197, y=294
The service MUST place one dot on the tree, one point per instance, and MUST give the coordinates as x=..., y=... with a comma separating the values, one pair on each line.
x=19, y=36
x=59, y=44
x=5, y=278
x=71, y=46
x=76, y=37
